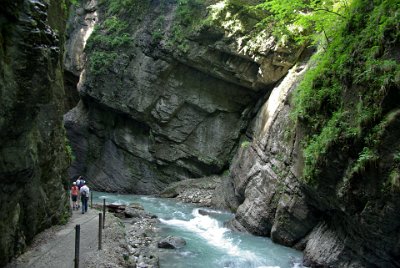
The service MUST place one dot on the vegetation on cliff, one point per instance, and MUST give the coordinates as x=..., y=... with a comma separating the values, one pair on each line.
x=112, y=34
x=353, y=56
x=347, y=100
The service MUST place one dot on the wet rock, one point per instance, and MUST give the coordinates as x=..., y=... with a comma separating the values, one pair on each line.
x=203, y=212
x=136, y=206
x=294, y=219
x=137, y=213
x=172, y=242
x=114, y=208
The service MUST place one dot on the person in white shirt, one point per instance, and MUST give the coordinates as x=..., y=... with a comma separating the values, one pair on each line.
x=84, y=196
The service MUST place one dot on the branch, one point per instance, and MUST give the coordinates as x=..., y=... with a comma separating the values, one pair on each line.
x=326, y=37
x=329, y=11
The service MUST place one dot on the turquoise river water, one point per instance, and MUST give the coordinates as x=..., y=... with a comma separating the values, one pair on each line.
x=209, y=243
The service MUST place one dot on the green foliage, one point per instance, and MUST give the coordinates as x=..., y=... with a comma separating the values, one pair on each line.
x=64, y=218
x=110, y=35
x=185, y=10
x=112, y=24
x=340, y=98
x=108, y=42
x=366, y=157
x=124, y=6
x=318, y=145
x=184, y=24
x=396, y=157
x=245, y=144
x=393, y=182
x=394, y=178
x=157, y=32
x=68, y=150
x=99, y=61
x=74, y=2
x=305, y=21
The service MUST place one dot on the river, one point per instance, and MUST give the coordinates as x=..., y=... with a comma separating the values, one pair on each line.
x=209, y=243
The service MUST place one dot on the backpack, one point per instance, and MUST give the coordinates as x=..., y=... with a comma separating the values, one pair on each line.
x=84, y=193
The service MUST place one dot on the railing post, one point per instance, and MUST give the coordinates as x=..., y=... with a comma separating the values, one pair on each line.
x=100, y=229
x=77, y=239
x=91, y=199
x=104, y=211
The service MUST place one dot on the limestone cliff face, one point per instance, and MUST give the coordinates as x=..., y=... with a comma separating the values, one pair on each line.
x=346, y=213
x=163, y=99
x=33, y=160
x=265, y=172
x=340, y=223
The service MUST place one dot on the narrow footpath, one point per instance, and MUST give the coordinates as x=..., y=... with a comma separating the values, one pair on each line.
x=55, y=247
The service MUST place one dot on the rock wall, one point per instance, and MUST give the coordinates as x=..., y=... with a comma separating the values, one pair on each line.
x=157, y=107
x=346, y=213
x=265, y=172
x=170, y=92
x=33, y=159
x=328, y=222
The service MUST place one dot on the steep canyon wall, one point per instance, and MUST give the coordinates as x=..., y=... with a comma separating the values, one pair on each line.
x=162, y=99
x=33, y=158
x=321, y=173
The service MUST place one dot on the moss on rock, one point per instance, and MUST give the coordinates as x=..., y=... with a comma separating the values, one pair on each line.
x=33, y=157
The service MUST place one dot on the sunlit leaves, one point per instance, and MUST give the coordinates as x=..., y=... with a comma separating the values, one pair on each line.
x=306, y=21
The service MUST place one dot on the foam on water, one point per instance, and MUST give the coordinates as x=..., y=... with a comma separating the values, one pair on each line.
x=210, y=229
x=209, y=243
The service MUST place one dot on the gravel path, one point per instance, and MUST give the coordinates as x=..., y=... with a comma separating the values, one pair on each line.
x=55, y=247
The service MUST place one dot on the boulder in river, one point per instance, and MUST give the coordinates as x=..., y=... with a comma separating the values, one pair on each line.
x=137, y=213
x=173, y=242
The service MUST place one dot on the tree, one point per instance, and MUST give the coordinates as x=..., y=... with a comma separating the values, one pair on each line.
x=305, y=21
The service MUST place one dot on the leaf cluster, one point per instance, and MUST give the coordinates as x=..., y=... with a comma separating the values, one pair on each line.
x=310, y=22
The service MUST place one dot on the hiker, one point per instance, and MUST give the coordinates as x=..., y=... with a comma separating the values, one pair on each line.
x=74, y=196
x=79, y=182
x=84, y=196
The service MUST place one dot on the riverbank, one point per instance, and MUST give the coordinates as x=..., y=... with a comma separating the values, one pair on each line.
x=134, y=227
x=127, y=242
x=214, y=192
x=55, y=247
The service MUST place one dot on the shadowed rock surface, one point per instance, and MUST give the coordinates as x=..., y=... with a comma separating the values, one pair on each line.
x=33, y=158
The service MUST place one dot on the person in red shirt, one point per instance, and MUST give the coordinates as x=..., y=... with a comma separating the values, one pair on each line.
x=74, y=196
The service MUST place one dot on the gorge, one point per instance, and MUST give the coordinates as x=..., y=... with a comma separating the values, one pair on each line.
x=298, y=127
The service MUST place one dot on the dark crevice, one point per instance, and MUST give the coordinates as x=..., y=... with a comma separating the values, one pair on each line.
x=71, y=91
